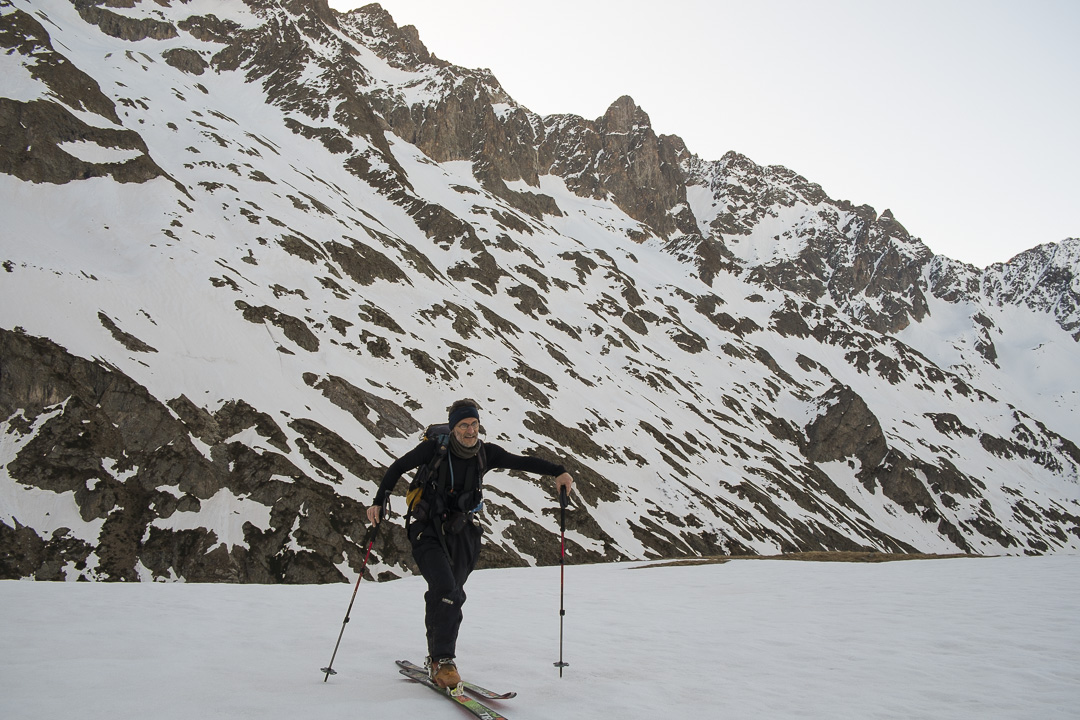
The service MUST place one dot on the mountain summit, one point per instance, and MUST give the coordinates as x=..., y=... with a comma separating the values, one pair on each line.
x=250, y=249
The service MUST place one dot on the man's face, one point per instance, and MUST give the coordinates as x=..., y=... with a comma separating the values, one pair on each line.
x=467, y=431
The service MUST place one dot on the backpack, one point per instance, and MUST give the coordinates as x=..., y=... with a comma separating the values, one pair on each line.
x=421, y=507
x=418, y=507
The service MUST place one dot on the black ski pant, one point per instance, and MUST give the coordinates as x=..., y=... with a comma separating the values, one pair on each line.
x=446, y=572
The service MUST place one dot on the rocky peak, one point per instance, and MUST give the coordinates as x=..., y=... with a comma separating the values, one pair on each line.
x=867, y=264
x=877, y=278
x=625, y=117
x=321, y=8
x=619, y=156
x=1043, y=278
x=399, y=46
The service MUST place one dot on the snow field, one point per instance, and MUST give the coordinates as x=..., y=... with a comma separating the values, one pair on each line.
x=948, y=639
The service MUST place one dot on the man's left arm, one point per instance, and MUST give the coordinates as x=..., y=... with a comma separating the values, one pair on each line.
x=498, y=458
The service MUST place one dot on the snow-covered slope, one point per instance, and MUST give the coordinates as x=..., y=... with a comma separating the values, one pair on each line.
x=251, y=249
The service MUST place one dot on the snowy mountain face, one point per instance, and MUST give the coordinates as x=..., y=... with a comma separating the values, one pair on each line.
x=250, y=249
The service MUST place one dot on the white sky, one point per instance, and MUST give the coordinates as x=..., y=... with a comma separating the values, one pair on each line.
x=959, y=115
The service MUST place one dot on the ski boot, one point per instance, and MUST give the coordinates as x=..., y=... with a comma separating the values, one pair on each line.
x=444, y=673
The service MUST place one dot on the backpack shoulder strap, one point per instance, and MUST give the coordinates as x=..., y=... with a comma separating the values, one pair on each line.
x=434, y=476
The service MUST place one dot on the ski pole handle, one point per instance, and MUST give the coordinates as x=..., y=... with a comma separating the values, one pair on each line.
x=564, y=499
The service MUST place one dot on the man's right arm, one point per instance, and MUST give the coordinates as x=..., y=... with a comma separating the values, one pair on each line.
x=419, y=455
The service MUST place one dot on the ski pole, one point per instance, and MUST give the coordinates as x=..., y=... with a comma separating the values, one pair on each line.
x=563, y=500
x=372, y=532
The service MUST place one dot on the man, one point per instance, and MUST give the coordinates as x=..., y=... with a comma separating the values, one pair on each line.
x=443, y=528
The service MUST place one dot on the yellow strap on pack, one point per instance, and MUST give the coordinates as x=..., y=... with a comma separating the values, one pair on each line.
x=414, y=496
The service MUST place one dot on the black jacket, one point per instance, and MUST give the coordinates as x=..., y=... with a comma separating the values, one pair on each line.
x=461, y=469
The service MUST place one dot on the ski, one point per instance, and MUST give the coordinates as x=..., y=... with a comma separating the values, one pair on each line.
x=471, y=687
x=471, y=704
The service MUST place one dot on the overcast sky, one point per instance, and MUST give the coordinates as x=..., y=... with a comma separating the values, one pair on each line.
x=958, y=115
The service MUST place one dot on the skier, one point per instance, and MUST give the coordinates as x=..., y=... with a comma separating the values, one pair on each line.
x=443, y=527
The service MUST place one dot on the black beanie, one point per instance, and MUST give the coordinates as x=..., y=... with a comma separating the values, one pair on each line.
x=465, y=411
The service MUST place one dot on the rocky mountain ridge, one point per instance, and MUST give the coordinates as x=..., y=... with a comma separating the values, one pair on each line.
x=254, y=247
